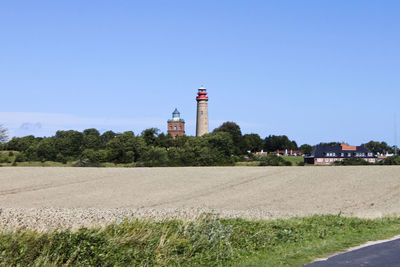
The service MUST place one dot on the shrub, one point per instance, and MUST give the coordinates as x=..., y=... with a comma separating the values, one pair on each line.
x=394, y=160
x=3, y=158
x=274, y=160
x=352, y=161
x=85, y=163
x=20, y=157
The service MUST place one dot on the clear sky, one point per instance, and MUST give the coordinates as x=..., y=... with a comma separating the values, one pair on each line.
x=316, y=71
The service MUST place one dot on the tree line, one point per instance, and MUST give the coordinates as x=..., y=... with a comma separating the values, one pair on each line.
x=224, y=146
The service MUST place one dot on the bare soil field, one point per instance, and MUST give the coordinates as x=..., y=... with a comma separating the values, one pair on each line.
x=43, y=198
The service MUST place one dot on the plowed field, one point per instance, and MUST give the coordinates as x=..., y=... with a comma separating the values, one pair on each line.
x=47, y=197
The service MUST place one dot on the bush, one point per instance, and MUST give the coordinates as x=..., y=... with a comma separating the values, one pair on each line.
x=394, y=160
x=3, y=158
x=352, y=161
x=274, y=160
x=85, y=163
x=20, y=157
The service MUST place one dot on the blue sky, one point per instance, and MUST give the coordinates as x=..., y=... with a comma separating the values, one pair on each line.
x=316, y=71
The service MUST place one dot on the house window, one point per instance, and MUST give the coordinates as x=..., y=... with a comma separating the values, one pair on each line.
x=342, y=154
x=369, y=154
x=319, y=160
x=349, y=154
x=175, y=128
x=326, y=160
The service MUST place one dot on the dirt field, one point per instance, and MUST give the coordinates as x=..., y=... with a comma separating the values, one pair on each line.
x=54, y=197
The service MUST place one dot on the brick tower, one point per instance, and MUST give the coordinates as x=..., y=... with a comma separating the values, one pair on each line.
x=202, y=112
x=176, y=126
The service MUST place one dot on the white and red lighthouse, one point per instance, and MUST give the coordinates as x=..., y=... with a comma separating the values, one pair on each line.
x=202, y=112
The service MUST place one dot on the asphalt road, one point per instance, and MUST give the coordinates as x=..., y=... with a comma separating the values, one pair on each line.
x=380, y=255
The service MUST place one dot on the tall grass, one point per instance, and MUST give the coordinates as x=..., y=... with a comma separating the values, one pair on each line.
x=208, y=241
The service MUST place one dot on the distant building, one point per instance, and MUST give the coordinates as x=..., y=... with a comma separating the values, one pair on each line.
x=287, y=152
x=176, y=126
x=325, y=154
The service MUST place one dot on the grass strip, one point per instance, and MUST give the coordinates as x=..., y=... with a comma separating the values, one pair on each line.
x=208, y=241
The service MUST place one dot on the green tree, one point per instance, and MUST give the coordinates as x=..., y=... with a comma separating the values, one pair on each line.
x=163, y=140
x=31, y=152
x=69, y=143
x=92, y=139
x=150, y=136
x=21, y=143
x=174, y=156
x=331, y=143
x=156, y=156
x=180, y=141
x=234, y=130
x=192, y=151
x=94, y=157
x=221, y=142
x=119, y=147
x=306, y=149
x=252, y=142
x=378, y=147
x=279, y=142
x=46, y=149
x=91, y=131
x=107, y=136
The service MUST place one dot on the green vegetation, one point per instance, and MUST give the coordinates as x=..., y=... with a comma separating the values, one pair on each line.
x=295, y=160
x=352, y=161
x=273, y=160
x=89, y=148
x=379, y=147
x=8, y=156
x=273, y=143
x=248, y=163
x=224, y=146
x=208, y=241
x=394, y=160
